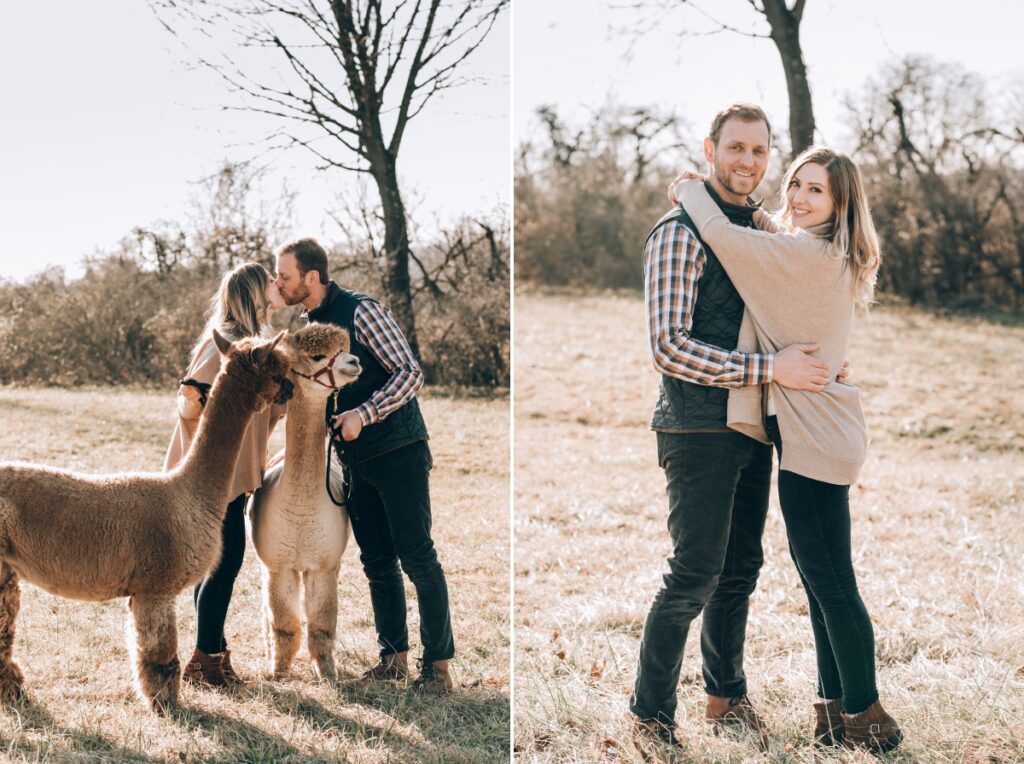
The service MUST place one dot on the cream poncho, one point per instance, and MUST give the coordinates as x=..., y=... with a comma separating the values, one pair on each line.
x=797, y=289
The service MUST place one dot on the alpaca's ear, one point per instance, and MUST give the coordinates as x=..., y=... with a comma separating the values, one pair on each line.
x=262, y=353
x=223, y=343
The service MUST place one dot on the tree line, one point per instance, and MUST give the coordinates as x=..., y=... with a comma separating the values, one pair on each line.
x=940, y=153
x=135, y=312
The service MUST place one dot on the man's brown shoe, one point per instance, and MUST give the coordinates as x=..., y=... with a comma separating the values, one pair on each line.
x=204, y=670
x=873, y=729
x=434, y=678
x=390, y=667
x=652, y=737
x=230, y=675
x=736, y=713
x=828, y=724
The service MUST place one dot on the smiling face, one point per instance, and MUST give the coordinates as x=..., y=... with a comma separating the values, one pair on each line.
x=809, y=199
x=739, y=159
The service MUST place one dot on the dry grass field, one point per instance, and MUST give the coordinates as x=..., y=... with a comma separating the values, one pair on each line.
x=938, y=537
x=73, y=653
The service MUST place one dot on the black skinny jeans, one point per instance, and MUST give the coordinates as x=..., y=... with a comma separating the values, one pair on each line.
x=718, y=486
x=213, y=594
x=817, y=519
x=389, y=508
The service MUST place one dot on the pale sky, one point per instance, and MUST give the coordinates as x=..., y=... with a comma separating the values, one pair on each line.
x=105, y=125
x=568, y=53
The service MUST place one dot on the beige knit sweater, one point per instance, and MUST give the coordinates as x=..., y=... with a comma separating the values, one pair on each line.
x=797, y=289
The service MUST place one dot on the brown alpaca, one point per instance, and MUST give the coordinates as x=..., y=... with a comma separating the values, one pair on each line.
x=145, y=536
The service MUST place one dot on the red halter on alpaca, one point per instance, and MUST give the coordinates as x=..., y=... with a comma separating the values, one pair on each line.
x=328, y=370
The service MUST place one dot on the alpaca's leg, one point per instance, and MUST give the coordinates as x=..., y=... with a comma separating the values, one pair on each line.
x=320, y=596
x=10, y=601
x=155, y=651
x=281, y=601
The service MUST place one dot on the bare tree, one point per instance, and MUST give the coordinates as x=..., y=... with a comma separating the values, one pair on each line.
x=783, y=29
x=355, y=73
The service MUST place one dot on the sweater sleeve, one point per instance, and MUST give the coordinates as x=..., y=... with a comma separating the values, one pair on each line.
x=204, y=368
x=759, y=263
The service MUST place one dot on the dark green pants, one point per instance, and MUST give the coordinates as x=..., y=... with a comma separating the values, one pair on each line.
x=718, y=486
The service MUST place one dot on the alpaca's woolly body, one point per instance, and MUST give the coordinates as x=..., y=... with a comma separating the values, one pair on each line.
x=145, y=536
x=297, y=530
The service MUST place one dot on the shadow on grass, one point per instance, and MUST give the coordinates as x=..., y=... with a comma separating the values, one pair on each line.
x=241, y=740
x=459, y=726
x=36, y=718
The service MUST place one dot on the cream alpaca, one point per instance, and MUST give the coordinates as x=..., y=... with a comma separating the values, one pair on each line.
x=145, y=536
x=297, y=530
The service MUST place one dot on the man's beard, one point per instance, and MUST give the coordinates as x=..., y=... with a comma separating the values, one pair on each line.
x=723, y=177
x=301, y=293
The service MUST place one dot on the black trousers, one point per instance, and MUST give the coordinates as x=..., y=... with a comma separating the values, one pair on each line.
x=817, y=519
x=212, y=595
x=389, y=508
x=718, y=487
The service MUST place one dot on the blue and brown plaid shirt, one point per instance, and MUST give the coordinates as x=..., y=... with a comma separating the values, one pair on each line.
x=673, y=262
x=376, y=330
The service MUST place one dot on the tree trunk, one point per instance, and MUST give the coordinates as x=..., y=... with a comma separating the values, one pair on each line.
x=785, y=26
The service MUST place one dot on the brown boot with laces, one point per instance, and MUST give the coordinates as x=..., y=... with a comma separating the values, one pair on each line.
x=204, y=670
x=738, y=714
x=828, y=722
x=873, y=729
x=392, y=667
x=434, y=679
x=653, y=738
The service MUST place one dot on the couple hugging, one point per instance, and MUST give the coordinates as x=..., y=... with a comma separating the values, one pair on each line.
x=749, y=318
x=383, y=447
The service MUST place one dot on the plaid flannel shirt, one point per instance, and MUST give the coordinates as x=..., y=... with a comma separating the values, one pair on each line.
x=376, y=330
x=673, y=263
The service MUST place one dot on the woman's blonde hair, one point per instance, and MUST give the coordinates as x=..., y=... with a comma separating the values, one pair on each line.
x=852, y=232
x=239, y=306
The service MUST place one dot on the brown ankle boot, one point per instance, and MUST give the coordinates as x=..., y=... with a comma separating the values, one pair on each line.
x=435, y=679
x=204, y=670
x=873, y=729
x=738, y=713
x=653, y=738
x=230, y=675
x=393, y=666
x=828, y=724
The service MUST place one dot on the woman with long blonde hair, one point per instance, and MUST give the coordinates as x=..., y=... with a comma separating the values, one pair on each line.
x=801, y=277
x=241, y=307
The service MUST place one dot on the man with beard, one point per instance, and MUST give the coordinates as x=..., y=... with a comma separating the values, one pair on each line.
x=383, y=446
x=718, y=479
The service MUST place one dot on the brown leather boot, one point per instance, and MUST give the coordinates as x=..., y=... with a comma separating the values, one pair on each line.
x=230, y=676
x=736, y=713
x=390, y=667
x=651, y=738
x=204, y=670
x=828, y=724
x=434, y=678
x=873, y=729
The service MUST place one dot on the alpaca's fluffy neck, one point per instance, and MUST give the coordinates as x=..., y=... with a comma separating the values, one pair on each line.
x=210, y=465
x=305, y=432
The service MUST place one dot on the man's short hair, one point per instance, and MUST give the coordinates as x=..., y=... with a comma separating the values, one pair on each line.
x=745, y=112
x=309, y=256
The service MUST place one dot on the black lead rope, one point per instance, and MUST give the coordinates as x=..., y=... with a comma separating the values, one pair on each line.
x=330, y=447
x=202, y=387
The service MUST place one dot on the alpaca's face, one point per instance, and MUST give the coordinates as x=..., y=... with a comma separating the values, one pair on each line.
x=321, y=360
x=264, y=367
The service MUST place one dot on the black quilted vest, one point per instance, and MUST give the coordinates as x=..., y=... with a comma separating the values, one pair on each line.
x=402, y=426
x=717, y=315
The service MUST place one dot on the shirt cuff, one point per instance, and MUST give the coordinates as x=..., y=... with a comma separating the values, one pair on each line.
x=758, y=368
x=367, y=413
